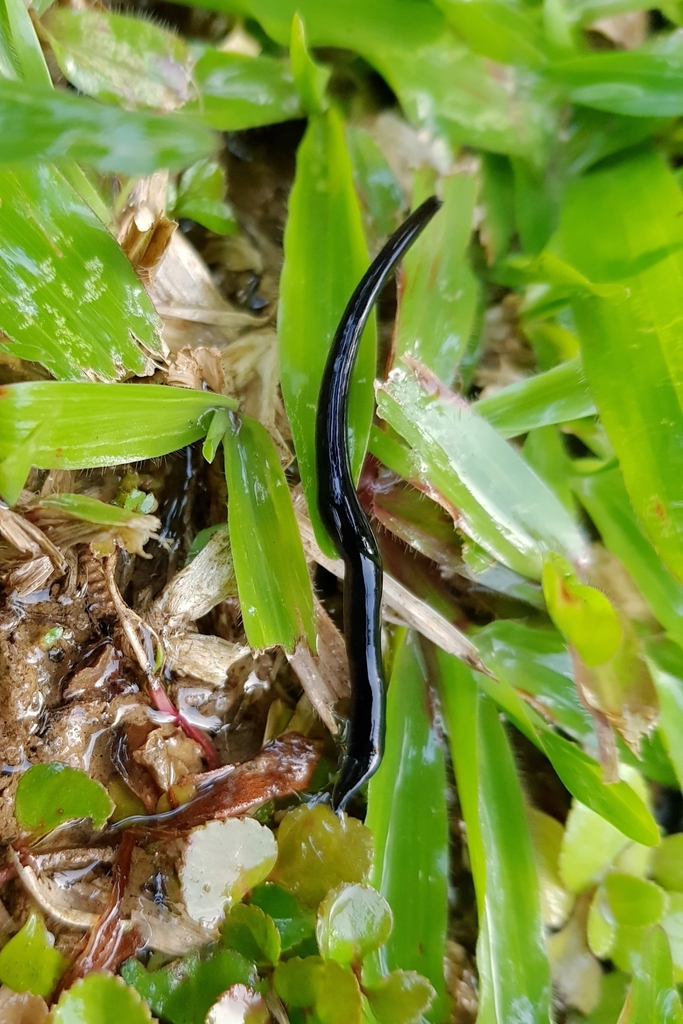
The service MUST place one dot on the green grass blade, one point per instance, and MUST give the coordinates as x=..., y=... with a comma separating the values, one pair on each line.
x=654, y=998
x=627, y=82
x=120, y=59
x=75, y=426
x=237, y=92
x=509, y=33
x=325, y=257
x=502, y=857
x=665, y=661
x=376, y=183
x=23, y=57
x=72, y=301
x=272, y=578
x=501, y=502
x=616, y=224
x=408, y=816
x=439, y=292
x=41, y=124
x=556, y=396
x=604, y=497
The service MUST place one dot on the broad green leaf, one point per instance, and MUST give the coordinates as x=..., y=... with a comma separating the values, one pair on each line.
x=21, y=56
x=100, y=999
x=605, y=499
x=626, y=82
x=325, y=986
x=253, y=934
x=272, y=577
x=501, y=854
x=201, y=197
x=507, y=32
x=376, y=183
x=403, y=997
x=183, y=991
x=295, y=980
x=221, y=862
x=29, y=962
x=615, y=221
x=654, y=997
x=353, y=920
x=441, y=85
x=325, y=258
x=50, y=794
x=317, y=851
x=120, y=59
x=666, y=865
x=500, y=502
x=407, y=812
x=558, y=395
x=237, y=92
x=438, y=291
x=72, y=301
x=42, y=124
x=294, y=920
x=311, y=79
x=584, y=615
x=76, y=426
x=497, y=198
x=585, y=11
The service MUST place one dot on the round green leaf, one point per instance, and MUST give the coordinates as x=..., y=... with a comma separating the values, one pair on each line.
x=634, y=902
x=253, y=934
x=317, y=851
x=101, y=999
x=400, y=998
x=667, y=862
x=296, y=980
x=353, y=920
x=29, y=962
x=50, y=794
x=338, y=998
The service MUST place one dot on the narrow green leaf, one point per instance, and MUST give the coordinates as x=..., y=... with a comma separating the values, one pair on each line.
x=379, y=190
x=121, y=59
x=50, y=794
x=29, y=962
x=201, y=197
x=502, y=857
x=501, y=503
x=605, y=499
x=41, y=124
x=439, y=292
x=325, y=257
x=665, y=661
x=497, y=196
x=507, y=32
x=585, y=11
x=22, y=56
x=408, y=815
x=272, y=578
x=72, y=301
x=626, y=82
x=75, y=426
x=556, y=396
x=311, y=79
x=237, y=92
x=619, y=217
x=654, y=996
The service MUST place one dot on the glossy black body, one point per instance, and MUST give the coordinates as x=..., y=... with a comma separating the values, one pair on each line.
x=347, y=524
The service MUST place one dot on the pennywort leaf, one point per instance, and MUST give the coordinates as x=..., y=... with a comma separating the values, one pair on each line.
x=353, y=920
x=101, y=999
x=50, y=794
x=29, y=962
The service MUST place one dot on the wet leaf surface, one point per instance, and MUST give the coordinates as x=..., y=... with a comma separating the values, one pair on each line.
x=50, y=794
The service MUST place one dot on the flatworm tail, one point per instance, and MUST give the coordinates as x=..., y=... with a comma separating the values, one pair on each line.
x=347, y=524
